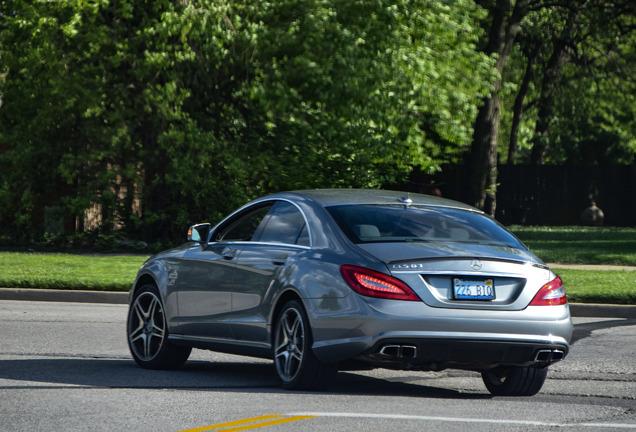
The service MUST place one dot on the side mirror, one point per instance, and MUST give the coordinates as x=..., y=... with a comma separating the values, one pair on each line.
x=199, y=233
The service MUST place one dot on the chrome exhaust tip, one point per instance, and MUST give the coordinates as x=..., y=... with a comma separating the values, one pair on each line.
x=399, y=351
x=549, y=356
x=390, y=351
x=558, y=355
x=543, y=356
x=408, y=351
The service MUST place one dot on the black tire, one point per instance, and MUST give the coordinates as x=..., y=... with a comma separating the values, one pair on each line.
x=296, y=365
x=147, y=333
x=514, y=380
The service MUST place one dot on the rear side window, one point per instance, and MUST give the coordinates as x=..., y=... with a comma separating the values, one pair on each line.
x=382, y=223
x=285, y=224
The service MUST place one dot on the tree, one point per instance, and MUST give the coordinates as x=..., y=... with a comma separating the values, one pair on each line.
x=595, y=35
x=595, y=117
x=164, y=113
x=573, y=57
x=504, y=24
x=558, y=58
x=540, y=47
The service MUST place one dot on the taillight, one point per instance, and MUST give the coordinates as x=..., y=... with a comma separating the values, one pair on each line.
x=371, y=283
x=552, y=293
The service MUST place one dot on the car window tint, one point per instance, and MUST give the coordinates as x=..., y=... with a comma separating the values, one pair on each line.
x=303, y=237
x=243, y=227
x=381, y=223
x=285, y=224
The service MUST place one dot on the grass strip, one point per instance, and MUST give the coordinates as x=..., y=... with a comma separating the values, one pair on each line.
x=117, y=273
x=67, y=271
x=580, y=245
x=599, y=286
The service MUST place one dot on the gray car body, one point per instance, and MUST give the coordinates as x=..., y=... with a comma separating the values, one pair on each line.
x=225, y=296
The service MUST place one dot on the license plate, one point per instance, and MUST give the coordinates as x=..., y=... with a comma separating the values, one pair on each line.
x=473, y=289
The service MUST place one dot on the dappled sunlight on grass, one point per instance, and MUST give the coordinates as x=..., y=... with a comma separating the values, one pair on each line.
x=67, y=271
x=599, y=286
x=552, y=244
x=580, y=245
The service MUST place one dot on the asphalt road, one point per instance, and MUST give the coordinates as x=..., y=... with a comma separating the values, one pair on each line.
x=66, y=367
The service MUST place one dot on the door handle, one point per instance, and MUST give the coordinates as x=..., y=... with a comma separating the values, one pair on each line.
x=229, y=253
x=280, y=260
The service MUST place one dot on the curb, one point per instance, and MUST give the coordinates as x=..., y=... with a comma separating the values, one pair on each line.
x=73, y=296
x=579, y=310
x=589, y=310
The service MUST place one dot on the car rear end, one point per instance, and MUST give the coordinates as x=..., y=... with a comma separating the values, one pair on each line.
x=456, y=290
x=447, y=329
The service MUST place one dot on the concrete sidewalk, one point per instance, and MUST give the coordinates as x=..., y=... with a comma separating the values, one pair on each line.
x=600, y=267
x=76, y=296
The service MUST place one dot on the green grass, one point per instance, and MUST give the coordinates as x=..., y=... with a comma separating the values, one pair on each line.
x=599, y=286
x=580, y=245
x=66, y=271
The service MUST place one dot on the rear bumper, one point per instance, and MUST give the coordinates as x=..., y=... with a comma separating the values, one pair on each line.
x=441, y=350
x=438, y=354
x=438, y=338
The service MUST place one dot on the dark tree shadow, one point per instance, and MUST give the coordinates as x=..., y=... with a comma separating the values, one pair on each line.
x=195, y=375
x=584, y=330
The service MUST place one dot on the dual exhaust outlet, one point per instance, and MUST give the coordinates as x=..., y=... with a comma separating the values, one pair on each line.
x=399, y=351
x=549, y=356
x=410, y=352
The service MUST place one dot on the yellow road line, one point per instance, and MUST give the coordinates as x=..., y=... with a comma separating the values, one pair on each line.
x=232, y=423
x=279, y=420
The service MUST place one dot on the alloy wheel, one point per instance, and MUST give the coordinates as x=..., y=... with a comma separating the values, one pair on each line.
x=290, y=344
x=146, y=326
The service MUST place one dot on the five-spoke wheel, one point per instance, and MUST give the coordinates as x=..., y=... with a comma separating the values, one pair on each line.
x=148, y=335
x=296, y=365
x=290, y=341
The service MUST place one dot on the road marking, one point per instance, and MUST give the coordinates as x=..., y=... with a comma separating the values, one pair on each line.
x=255, y=423
x=467, y=420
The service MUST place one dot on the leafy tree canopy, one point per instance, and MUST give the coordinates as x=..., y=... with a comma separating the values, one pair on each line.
x=593, y=112
x=157, y=114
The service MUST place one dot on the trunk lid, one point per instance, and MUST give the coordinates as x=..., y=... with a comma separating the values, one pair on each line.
x=437, y=270
x=408, y=251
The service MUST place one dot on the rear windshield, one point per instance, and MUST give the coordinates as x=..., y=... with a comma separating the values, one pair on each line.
x=382, y=223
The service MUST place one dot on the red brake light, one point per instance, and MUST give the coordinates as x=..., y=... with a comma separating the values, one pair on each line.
x=375, y=284
x=550, y=294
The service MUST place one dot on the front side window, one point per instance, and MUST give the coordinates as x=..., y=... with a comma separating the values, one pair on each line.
x=245, y=226
x=388, y=223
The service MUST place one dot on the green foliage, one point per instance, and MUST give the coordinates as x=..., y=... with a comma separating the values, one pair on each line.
x=158, y=114
x=594, y=112
x=574, y=245
x=596, y=122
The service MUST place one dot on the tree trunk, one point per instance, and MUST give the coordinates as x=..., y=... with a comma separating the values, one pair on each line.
x=517, y=110
x=559, y=57
x=505, y=25
x=541, y=140
x=483, y=159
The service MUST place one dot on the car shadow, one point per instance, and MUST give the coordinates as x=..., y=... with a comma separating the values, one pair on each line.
x=194, y=376
x=584, y=330
x=361, y=385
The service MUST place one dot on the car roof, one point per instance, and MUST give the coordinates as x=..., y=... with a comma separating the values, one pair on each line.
x=331, y=197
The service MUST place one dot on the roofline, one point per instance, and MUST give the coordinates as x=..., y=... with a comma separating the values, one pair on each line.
x=329, y=197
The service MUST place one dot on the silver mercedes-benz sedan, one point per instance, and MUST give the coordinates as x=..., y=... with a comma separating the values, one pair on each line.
x=321, y=280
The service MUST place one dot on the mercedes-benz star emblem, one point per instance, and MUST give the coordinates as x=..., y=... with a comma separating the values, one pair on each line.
x=475, y=265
